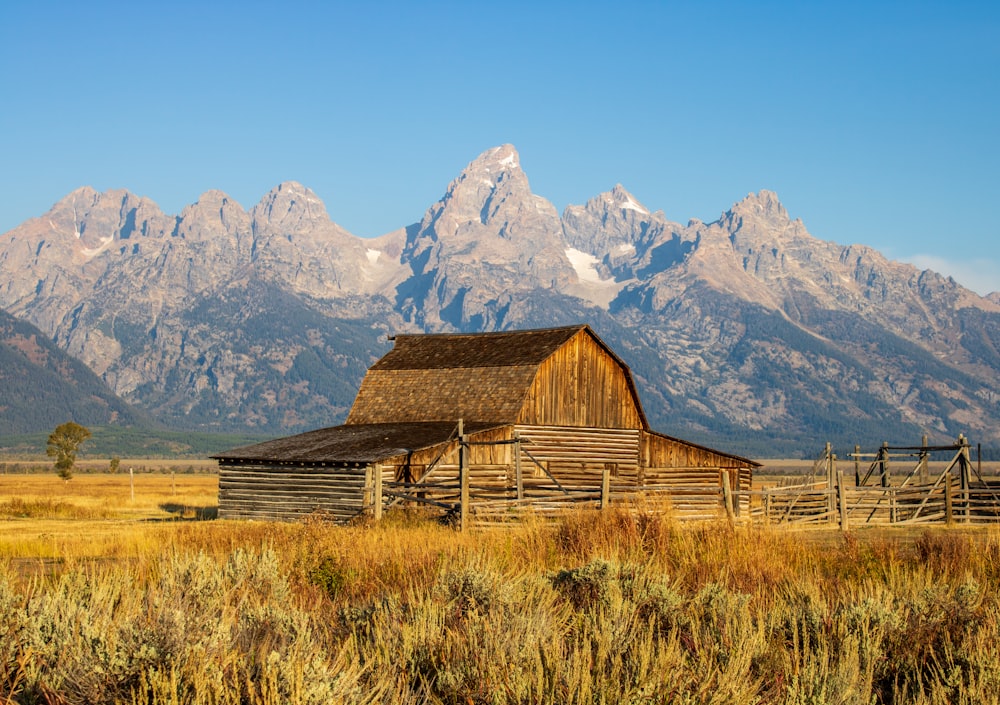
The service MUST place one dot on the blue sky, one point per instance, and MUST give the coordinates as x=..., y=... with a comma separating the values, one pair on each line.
x=875, y=122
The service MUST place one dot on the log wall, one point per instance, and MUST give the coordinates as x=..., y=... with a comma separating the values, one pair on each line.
x=290, y=492
x=577, y=456
x=559, y=466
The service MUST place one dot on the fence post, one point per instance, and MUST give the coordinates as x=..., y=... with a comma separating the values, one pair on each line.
x=924, y=470
x=857, y=465
x=842, y=501
x=727, y=495
x=965, y=468
x=884, y=463
x=606, y=486
x=518, y=476
x=377, y=499
x=947, y=500
x=463, y=477
x=831, y=474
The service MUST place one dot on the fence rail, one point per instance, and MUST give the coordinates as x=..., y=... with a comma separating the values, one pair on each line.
x=485, y=495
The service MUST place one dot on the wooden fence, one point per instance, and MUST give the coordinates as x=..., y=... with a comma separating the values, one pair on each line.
x=492, y=494
x=958, y=494
x=944, y=501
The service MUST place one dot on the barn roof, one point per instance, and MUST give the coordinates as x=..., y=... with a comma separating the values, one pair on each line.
x=740, y=459
x=467, y=350
x=356, y=443
x=475, y=376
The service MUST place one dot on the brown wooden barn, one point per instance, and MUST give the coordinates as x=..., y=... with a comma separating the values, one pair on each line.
x=481, y=424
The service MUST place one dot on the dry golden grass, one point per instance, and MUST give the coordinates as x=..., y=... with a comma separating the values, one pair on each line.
x=135, y=602
x=96, y=515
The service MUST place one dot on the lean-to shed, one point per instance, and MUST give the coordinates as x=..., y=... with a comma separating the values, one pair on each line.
x=499, y=420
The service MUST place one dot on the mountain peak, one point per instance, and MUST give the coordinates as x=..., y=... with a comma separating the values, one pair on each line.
x=763, y=203
x=502, y=158
x=290, y=205
x=621, y=198
x=492, y=186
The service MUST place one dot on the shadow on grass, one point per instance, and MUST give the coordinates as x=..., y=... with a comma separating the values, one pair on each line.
x=183, y=511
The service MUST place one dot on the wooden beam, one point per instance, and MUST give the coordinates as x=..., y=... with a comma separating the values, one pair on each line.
x=463, y=476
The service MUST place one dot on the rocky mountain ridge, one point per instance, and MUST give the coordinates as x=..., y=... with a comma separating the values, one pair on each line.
x=745, y=329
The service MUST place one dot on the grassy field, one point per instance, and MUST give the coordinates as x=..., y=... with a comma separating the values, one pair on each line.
x=97, y=515
x=109, y=599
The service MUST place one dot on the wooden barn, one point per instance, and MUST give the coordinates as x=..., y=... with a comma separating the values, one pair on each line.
x=482, y=425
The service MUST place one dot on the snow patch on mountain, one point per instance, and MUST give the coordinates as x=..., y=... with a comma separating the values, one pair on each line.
x=631, y=205
x=90, y=253
x=585, y=265
x=591, y=287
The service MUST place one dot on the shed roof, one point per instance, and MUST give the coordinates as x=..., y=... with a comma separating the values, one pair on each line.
x=355, y=443
x=740, y=459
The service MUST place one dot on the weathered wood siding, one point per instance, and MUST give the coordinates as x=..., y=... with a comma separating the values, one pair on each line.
x=488, y=450
x=581, y=385
x=692, y=476
x=662, y=451
x=290, y=492
x=576, y=457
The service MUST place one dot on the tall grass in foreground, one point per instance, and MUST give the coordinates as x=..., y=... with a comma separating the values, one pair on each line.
x=600, y=608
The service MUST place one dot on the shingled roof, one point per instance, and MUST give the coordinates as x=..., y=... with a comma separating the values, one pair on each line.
x=475, y=376
x=468, y=350
x=358, y=443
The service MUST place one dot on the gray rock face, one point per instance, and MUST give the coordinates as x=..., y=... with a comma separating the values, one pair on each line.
x=627, y=239
x=742, y=329
x=487, y=240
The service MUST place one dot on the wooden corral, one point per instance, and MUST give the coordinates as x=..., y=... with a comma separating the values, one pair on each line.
x=484, y=426
x=894, y=488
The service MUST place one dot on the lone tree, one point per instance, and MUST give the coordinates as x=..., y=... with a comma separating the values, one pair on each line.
x=63, y=444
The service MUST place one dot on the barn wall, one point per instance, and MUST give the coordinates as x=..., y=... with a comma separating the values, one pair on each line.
x=660, y=451
x=290, y=492
x=577, y=456
x=692, y=476
x=581, y=384
x=443, y=459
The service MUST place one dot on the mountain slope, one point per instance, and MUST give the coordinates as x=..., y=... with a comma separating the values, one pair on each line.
x=42, y=387
x=746, y=330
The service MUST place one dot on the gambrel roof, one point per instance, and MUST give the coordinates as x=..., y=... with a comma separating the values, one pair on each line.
x=475, y=376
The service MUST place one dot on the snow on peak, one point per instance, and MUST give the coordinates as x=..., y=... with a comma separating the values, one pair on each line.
x=631, y=205
x=618, y=197
x=502, y=156
x=585, y=266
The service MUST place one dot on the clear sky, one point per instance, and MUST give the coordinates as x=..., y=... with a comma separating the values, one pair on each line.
x=875, y=122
